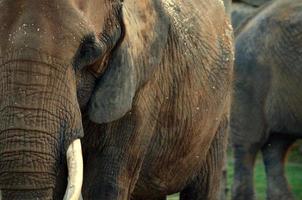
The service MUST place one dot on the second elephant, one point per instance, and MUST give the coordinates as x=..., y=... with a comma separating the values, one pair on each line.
x=266, y=112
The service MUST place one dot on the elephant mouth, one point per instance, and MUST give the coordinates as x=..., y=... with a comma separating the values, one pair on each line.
x=75, y=178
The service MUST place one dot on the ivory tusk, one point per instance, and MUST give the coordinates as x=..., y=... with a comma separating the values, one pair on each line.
x=75, y=171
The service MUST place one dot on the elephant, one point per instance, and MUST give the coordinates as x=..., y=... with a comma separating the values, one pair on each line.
x=242, y=10
x=114, y=99
x=256, y=3
x=227, y=4
x=266, y=111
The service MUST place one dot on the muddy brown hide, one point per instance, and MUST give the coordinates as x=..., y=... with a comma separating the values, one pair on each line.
x=266, y=113
x=38, y=122
x=176, y=68
x=43, y=84
x=151, y=80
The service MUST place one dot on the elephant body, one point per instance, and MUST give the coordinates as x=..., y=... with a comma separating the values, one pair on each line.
x=144, y=84
x=266, y=112
x=173, y=139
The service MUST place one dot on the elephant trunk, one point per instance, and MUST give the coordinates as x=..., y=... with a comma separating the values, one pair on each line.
x=75, y=178
x=40, y=123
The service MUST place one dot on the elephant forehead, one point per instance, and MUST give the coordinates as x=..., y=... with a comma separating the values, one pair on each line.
x=48, y=26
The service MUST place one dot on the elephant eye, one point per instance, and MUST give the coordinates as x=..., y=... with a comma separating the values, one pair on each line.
x=89, y=51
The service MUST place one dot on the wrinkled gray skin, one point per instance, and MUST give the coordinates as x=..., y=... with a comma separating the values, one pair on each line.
x=243, y=9
x=253, y=2
x=166, y=143
x=266, y=113
x=146, y=84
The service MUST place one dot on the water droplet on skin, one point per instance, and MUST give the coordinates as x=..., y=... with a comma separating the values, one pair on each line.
x=197, y=108
x=38, y=29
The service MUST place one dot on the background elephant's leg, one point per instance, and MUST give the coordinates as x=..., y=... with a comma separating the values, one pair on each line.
x=206, y=185
x=274, y=154
x=223, y=183
x=243, y=188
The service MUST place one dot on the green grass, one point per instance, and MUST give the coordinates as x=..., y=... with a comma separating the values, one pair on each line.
x=173, y=197
x=293, y=172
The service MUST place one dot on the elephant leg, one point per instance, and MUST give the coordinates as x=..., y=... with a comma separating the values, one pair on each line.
x=112, y=170
x=99, y=181
x=274, y=154
x=207, y=184
x=245, y=156
x=223, y=183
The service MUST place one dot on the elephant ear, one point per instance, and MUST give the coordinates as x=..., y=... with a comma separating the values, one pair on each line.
x=115, y=91
x=131, y=62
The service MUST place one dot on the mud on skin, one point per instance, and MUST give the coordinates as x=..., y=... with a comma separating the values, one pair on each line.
x=145, y=85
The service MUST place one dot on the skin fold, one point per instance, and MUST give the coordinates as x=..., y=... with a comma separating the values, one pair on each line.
x=266, y=114
x=144, y=84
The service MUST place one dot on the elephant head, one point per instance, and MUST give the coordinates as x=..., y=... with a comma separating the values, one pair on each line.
x=58, y=58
